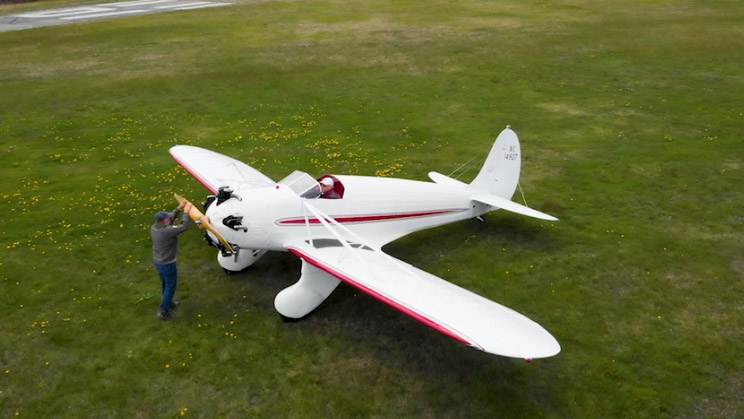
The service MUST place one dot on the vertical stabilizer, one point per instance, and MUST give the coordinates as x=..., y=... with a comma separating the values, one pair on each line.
x=500, y=172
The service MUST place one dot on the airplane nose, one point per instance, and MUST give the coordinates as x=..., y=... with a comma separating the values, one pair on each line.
x=203, y=222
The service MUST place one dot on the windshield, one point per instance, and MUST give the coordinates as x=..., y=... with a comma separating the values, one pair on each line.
x=302, y=184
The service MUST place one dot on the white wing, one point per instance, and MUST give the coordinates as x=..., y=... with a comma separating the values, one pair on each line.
x=215, y=170
x=443, y=306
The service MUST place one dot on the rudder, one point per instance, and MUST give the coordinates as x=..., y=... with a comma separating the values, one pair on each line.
x=500, y=173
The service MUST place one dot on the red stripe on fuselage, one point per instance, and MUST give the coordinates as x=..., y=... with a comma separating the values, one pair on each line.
x=370, y=218
x=392, y=303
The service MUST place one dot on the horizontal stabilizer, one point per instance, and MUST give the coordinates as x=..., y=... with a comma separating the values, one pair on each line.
x=441, y=179
x=510, y=205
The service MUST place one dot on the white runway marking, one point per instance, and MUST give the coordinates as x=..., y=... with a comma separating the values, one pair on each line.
x=192, y=5
x=99, y=11
x=63, y=12
x=104, y=14
x=140, y=2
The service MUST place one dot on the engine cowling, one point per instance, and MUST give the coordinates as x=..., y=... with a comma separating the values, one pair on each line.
x=225, y=212
x=240, y=260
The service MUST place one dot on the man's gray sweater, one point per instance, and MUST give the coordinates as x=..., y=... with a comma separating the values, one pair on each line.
x=165, y=239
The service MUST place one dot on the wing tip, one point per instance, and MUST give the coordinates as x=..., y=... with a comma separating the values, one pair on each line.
x=191, y=170
x=527, y=355
x=536, y=344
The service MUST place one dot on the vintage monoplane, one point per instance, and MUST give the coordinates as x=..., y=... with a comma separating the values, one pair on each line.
x=340, y=239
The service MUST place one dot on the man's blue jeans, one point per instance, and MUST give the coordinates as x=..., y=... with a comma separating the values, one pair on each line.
x=169, y=279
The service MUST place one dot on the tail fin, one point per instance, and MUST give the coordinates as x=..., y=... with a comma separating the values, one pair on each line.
x=498, y=179
x=500, y=173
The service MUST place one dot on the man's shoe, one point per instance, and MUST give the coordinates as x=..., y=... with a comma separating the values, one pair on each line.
x=164, y=316
x=174, y=306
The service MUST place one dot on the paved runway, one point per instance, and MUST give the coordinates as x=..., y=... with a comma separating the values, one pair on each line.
x=98, y=12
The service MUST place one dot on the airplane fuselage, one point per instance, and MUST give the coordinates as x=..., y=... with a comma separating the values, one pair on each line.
x=383, y=208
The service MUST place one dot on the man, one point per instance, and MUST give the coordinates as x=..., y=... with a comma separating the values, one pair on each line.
x=165, y=252
x=327, y=192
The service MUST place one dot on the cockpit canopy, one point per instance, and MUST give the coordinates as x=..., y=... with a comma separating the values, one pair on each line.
x=304, y=185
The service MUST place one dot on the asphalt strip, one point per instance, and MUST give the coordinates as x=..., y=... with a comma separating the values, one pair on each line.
x=54, y=17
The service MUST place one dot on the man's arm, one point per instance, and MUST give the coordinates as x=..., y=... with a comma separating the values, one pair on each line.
x=173, y=229
x=176, y=213
x=185, y=219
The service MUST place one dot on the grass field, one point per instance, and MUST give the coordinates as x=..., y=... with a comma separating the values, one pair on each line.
x=632, y=123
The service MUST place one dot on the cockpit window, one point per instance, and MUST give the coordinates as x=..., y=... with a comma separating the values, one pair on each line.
x=302, y=184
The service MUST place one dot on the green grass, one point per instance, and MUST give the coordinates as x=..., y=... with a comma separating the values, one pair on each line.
x=630, y=116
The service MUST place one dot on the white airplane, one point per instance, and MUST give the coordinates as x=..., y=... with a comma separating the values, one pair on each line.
x=341, y=239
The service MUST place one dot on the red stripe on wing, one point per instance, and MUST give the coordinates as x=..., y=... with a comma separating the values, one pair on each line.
x=195, y=175
x=392, y=303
